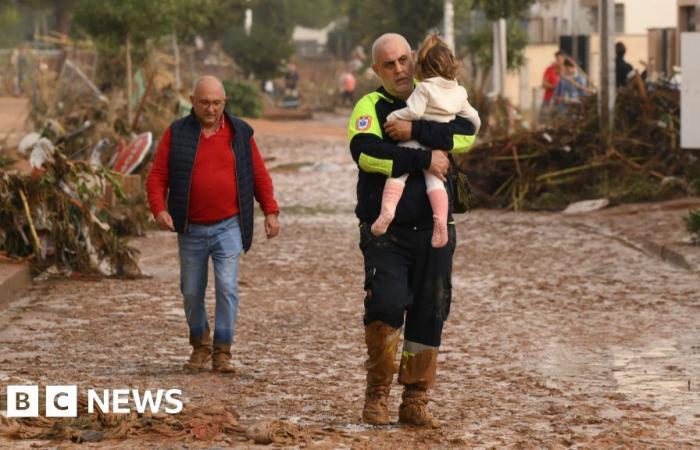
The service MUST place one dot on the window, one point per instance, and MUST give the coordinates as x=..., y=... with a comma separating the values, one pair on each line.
x=542, y=30
x=619, y=18
x=687, y=19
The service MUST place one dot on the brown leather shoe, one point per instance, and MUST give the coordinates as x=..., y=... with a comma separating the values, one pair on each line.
x=414, y=408
x=201, y=353
x=221, y=361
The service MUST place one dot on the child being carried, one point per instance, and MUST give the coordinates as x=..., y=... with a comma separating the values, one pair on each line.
x=438, y=97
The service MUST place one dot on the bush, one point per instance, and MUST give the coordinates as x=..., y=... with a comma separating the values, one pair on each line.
x=692, y=222
x=244, y=98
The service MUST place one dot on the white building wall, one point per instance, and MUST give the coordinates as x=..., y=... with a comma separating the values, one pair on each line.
x=643, y=14
x=640, y=15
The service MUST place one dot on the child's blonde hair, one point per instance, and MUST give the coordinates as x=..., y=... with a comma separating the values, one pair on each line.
x=435, y=59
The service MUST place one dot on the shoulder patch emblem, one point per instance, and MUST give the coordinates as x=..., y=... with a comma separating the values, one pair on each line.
x=363, y=123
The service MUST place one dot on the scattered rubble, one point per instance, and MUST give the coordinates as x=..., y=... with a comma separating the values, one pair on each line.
x=56, y=216
x=548, y=168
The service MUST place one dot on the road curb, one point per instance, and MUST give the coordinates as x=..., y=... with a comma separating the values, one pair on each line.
x=645, y=246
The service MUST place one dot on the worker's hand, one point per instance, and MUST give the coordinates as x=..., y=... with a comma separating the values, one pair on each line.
x=439, y=163
x=164, y=221
x=272, y=226
x=399, y=130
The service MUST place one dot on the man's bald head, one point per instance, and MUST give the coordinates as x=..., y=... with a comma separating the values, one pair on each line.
x=208, y=83
x=208, y=100
x=388, y=39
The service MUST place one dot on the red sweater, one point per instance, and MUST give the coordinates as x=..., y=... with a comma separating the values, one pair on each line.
x=550, y=76
x=213, y=193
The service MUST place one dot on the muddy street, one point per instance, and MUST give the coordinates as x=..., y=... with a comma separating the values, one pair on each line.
x=563, y=332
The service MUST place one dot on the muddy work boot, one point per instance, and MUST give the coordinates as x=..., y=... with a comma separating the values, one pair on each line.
x=201, y=353
x=376, y=409
x=221, y=361
x=382, y=342
x=414, y=408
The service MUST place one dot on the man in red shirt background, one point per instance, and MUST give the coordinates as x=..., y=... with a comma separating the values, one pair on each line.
x=209, y=168
x=550, y=79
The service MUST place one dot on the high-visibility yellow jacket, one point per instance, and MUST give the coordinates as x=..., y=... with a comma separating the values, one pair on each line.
x=378, y=156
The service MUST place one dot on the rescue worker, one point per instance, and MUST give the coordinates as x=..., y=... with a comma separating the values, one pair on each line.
x=406, y=279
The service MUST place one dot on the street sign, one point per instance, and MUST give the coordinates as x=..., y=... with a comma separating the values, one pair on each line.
x=130, y=156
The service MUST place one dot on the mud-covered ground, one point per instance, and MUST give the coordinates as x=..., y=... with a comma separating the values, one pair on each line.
x=565, y=331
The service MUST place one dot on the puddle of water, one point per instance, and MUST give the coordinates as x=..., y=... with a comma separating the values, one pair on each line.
x=664, y=371
x=657, y=373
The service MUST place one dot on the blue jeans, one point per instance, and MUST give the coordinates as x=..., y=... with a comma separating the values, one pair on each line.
x=221, y=241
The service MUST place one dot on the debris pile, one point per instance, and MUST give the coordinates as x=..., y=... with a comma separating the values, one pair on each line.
x=564, y=162
x=57, y=217
x=192, y=424
x=70, y=192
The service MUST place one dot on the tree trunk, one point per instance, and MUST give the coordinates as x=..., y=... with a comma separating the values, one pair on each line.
x=176, y=55
x=449, y=25
x=129, y=83
x=606, y=96
x=61, y=13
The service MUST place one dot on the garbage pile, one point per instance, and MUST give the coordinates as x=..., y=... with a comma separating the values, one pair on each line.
x=564, y=161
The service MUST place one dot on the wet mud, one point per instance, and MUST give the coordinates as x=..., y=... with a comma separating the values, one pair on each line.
x=558, y=337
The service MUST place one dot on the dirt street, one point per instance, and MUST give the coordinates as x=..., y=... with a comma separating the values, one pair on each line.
x=13, y=114
x=565, y=331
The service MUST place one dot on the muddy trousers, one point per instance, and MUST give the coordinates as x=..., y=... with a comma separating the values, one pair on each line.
x=405, y=277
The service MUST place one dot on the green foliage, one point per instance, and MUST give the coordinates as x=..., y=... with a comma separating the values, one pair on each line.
x=244, y=99
x=692, y=223
x=692, y=174
x=10, y=24
x=496, y=9
x=477, y=34
x=479, y=43
x=314, y=13
x=269, y=43
x=110, y=22
x=368, y=19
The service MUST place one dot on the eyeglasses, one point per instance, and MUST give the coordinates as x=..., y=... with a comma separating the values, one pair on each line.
x=217, y=104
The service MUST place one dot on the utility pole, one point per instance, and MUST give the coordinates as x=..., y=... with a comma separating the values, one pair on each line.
x=498, y=71
x=449, y=18
x=572, y=31
x=606, y=97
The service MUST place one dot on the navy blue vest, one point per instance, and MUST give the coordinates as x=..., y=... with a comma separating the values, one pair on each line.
x=184, y=134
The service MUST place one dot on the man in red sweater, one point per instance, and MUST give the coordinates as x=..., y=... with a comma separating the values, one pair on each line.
x=210, y=169
x=550, y=79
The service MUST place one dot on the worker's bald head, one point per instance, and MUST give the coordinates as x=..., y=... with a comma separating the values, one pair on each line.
x=388, y=40
x=392, y=61
x=208, y=100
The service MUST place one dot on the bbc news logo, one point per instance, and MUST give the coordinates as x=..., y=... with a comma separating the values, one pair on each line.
x=62, y=401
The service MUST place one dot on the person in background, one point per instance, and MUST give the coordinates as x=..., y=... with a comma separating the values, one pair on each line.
x=571, y=87
x=291, y=81
x=347, y=86
x=623, y=70
x=550, y=79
